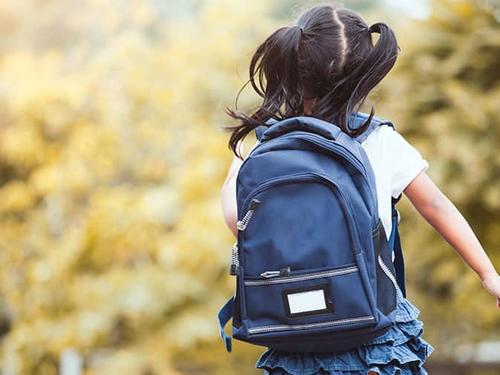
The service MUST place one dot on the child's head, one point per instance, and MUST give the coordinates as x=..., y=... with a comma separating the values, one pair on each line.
x=327, y=56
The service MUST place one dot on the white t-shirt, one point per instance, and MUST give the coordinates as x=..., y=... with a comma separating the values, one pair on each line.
x=395, y=163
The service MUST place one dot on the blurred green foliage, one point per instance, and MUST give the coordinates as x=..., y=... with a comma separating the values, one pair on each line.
x=111, y=162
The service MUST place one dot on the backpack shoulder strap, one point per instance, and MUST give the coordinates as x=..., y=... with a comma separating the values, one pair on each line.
x=223, y=317
x=395, y=245
x=361, y=117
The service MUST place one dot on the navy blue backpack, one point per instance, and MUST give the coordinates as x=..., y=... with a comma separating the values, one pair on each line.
x=313, y=266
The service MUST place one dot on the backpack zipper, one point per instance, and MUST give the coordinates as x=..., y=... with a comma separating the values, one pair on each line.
x=332, y=146
x=340, y=149
x=284, y=272
x=268, y=274
x=290, y=327
x=242, y=224
x=301, y=277
x=308, y=176
x=387, y=271
x=235, y=261
x=318, y=140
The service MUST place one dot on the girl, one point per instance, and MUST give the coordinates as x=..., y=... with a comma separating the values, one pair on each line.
x=324, y=66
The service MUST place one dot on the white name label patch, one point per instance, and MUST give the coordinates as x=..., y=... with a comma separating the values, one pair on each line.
x=308, y=301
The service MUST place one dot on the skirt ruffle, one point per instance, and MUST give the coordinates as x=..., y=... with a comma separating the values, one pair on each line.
x=400, y=351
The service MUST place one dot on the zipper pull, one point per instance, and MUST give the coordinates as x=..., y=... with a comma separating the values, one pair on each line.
x=242, y=224
x=269, y=274
x=235, y=262
x=282, y=272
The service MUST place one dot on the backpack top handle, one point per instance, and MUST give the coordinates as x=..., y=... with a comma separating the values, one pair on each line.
x=274, y=128
x=306, y=123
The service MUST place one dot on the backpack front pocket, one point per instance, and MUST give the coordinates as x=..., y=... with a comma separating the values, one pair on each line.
x=304, y=219
x=321, y=299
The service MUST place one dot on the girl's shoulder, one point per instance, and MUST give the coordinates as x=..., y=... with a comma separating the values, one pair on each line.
x=394, y=157
x=389, y=139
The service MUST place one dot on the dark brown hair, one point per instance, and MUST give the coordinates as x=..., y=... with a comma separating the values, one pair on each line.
x=327, y=54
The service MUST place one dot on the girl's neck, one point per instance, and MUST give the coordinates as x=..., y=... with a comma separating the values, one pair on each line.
x=308, y=105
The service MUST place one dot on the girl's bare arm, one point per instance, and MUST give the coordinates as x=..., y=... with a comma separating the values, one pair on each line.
x=442, y=214
x=228, y=193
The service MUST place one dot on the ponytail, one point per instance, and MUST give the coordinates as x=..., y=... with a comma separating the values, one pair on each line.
x=359, y=79
x=277, y=60
x=379, y=62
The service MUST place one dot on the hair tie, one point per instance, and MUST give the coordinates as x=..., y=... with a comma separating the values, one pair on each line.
x=300, y=27
x=366, y=29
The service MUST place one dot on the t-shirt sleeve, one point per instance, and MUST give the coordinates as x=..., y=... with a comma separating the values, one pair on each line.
x=406, y=162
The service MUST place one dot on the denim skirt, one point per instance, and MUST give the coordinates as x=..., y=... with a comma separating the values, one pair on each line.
x=399, y=351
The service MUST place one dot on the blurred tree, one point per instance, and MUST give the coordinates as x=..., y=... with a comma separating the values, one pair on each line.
x=111, y=163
